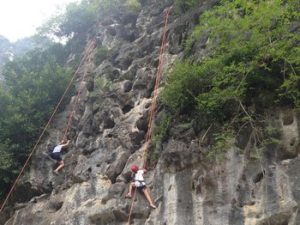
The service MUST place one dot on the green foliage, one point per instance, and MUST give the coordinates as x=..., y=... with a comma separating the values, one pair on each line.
x=264, y=45
x=253, y=59
x=32, y=86
x=182, y=6
x=222, y=142
x=78, y=18
x=76, y=21
x=161, y=130
x=101, y=54
x=272, y=136
x=6, y=168
x=180, y=91
x=289, y=90
x=160, y=134
x=108, y=5
x=6, y=160
x=204, y=88
x=133, y=5
x=102, y=84
x=153, y=156
x=273, y=132
x=74, y=25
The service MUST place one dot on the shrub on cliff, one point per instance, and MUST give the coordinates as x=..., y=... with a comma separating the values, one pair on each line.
x=182, y=6
x=134, y=5
x=253, y=59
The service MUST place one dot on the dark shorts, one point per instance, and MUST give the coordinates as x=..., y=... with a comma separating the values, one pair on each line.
x=140, y=185
x=56, y=156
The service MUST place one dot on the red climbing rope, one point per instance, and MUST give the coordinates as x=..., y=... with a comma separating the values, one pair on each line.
x=131, y=206
x=87, y=53
x=152, y=110
x=153, y=106
x=76, y=100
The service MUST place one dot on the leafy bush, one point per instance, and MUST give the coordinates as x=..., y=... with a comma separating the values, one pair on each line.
x=107, y=5
x=6, y=164
x=183, y=85
x=182, y=6
x=102, y=84
x=133, y=5
x=265, y=47
x=253, y=59
x=160, y=134
x=201, y=88
x=77, y=20
x=222, y=142
x=161, y=130
x=101, y=54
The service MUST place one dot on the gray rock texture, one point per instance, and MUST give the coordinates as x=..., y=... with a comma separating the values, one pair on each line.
x=107, y=136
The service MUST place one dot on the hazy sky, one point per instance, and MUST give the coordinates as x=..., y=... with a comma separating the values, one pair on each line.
x=20, y=18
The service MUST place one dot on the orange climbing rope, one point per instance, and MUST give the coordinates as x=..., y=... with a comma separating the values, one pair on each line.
x=153, y=106
x=87, y=53
x=131, y=206
x=77, y=99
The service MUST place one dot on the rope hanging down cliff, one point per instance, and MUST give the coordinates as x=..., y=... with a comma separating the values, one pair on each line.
x=153, y=106
x=67, y=127
x=88, y=51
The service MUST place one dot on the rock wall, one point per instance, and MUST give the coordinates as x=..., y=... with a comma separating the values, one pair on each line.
x=107, y=136
x=240, y=190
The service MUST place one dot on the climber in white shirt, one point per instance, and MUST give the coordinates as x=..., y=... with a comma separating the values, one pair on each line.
x=56, y=154
x=139, y=183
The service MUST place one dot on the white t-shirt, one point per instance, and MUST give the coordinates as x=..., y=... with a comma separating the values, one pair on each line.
x=57, y=148
x=139, y=178
x=139, y=175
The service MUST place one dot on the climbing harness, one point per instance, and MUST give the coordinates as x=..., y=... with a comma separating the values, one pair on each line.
x=153, y=106
x=90, y=48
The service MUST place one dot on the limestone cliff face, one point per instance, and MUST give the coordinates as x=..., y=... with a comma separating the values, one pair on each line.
x=108, y=132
